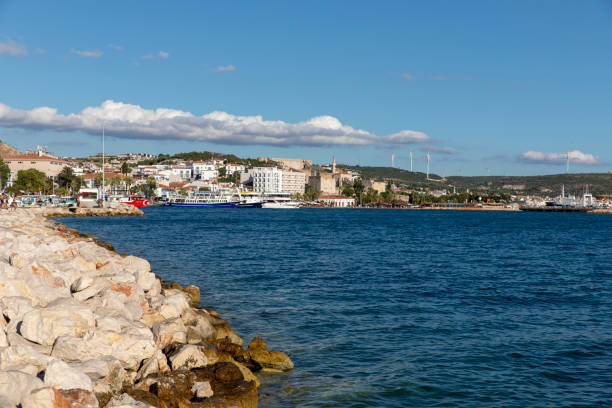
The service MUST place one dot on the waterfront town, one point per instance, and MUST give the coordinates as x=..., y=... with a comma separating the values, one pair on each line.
x=162, y=178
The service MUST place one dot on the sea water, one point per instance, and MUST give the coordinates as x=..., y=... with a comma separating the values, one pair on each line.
x=386, y=308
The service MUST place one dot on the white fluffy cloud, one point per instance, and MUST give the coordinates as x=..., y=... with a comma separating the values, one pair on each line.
x=134, y=122
x=87, y=54
x=225, y=68
x=10, y=47
x=163, y=54
x=575, y=156
x=407, y=137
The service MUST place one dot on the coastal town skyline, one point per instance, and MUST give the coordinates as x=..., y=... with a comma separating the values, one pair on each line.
x=310, y=92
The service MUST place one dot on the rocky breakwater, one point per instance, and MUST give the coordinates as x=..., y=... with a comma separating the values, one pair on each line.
x=82, y=326
x=117, y=210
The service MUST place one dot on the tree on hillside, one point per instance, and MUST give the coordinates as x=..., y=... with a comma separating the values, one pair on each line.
x=125, y=169
x=236, y=178
x=151, y=187
x=5, y=171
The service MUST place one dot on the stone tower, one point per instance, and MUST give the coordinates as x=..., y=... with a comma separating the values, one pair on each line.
x=334, y=165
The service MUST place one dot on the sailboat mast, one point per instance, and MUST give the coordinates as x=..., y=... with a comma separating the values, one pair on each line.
x=103, y=179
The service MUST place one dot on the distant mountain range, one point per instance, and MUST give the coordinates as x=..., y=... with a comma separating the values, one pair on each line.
x=599, y=184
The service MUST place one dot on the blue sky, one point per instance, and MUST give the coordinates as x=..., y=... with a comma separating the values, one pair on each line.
x=505, y=87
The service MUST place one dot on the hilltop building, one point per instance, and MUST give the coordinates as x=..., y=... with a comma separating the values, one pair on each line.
x=293, y=164
x=41, y=161
x=379, y=186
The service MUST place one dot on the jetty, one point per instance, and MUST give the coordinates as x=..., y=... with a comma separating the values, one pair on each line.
x=83, y=326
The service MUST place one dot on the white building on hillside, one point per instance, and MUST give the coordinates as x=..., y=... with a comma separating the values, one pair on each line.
x=267, y=179
x=182, y=172
x=231, y=168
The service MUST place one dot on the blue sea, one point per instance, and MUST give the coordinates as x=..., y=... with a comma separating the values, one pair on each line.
x=386, y=308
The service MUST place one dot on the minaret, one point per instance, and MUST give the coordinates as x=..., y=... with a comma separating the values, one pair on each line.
x=334, y=165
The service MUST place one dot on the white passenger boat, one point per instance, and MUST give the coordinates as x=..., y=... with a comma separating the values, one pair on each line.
x=280, y=201
x=203, y=200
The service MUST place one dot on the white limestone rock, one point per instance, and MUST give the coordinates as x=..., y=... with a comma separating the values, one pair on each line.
x=15, y=339
x=61, y=376
x=60, y=318
x=125, y=401
x=174, y=305
x=26, y=368
x=39, y=398
x=3, y=340
x=108, y=323
x=81, y=283
x=107, y=374
x=14, y=307
x=158, y=363
x=169, y=331
x=15, y=385
x=20, y=354
x=130, y=347
x=98, y=285
x=189, y=356
x=202, y=389
x=200, y=322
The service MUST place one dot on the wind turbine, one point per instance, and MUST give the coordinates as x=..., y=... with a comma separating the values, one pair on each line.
x=411, y=161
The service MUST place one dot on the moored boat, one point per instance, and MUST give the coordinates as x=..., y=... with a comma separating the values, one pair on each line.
x=280, y=201
x=201, y=200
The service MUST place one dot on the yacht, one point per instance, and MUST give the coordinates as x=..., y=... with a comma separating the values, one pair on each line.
x=280, y=201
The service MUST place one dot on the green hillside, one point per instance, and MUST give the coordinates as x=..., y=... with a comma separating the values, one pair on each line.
x=600, y=184
x=413, y=179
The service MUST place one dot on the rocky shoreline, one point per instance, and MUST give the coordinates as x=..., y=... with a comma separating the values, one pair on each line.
x=83, y=326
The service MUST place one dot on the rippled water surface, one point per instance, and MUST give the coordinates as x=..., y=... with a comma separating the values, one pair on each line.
x=399, y=308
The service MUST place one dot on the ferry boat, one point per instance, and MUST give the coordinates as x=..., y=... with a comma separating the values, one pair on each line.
x=203, y=200
x=249, y=199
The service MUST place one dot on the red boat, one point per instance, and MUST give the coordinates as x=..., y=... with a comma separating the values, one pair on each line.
x=136, y=201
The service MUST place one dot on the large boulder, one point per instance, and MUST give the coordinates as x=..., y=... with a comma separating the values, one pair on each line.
x=21, y=354
x=130, y=347
x=15, y=385
x=169, y=331
x=260, y=358
x=61, y=376
x=60, y=318
x=188, y=356
x=40, y=398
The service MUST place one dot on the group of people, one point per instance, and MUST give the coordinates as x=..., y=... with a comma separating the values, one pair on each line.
x=8, y=202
